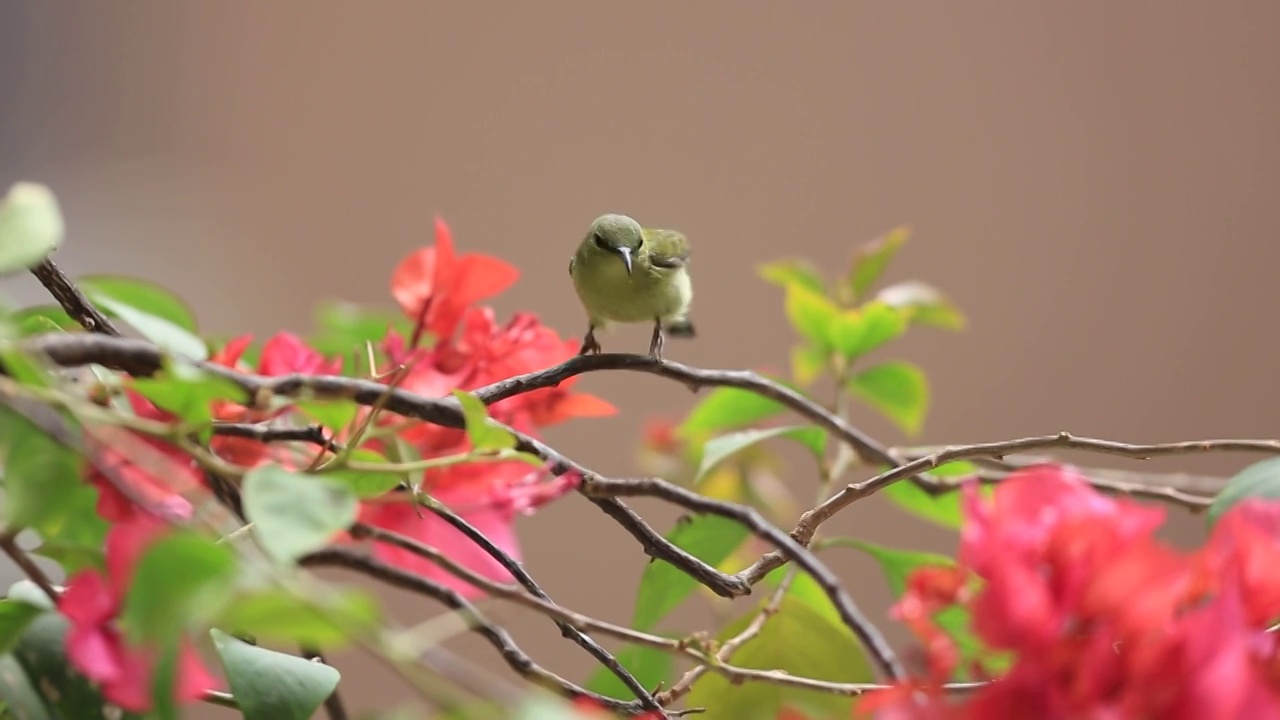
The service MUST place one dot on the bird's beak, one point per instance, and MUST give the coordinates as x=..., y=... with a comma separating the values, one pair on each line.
x=626, y=258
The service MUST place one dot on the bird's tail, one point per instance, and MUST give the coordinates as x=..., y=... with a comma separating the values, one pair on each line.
x=682, y=328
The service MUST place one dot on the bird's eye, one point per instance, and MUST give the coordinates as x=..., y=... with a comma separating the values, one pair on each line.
x=599, y=241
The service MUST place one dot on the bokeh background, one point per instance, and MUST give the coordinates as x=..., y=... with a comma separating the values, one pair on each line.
x=1094, y=183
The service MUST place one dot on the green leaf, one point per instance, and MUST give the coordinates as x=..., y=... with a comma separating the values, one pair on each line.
x=710, y=538
x=333, y=414
x=31, y=226
x=181, y=580
x=647, y=665
x=19, y=699
x=295, y=513
x=1259, y=480
x=164, y=705
x=188, y=392
x=76, y=537
x=364, y=483
x=270, y=685
x=345, y=326
x=484, y=435
x=42, y=478
x=870, y=260
x=812, y=315
x=923, y=304
x=808, y=363
x=858, y=332
x=147, y=297
x=793, y=271
x=718, y=449
x=944, y=509
x=170, y=337
x=41, y=653
x=725, y=408
x=799, y=640
x=25, y=367
x=41, y=319
x=896, y=388
x=897, y=565
x=15, y=616
x=326, y=622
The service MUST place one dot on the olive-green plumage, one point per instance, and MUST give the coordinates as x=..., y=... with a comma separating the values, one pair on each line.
x=626, y=273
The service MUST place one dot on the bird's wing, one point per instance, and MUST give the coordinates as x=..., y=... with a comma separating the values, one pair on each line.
x=571, y=257
x=667, y=248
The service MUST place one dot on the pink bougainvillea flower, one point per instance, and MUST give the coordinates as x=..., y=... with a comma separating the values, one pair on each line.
x=1103, y=621
x=95, y=645
x=438, y=285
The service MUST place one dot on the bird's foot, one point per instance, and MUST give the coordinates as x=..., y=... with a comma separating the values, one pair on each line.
x=656, y=342
x=590, y=346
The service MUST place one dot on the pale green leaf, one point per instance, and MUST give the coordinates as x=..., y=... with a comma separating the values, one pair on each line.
x=168, y=336
x=717, y=449
x=1259, y=480
x=180, y=581
x=296, y=513
x=31, y=226
x=327, y=621
x=923, y=304
x=647, y=665
x=270, y=685
x=147, y=297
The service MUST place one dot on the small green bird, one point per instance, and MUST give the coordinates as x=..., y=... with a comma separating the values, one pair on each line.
x=630, y=274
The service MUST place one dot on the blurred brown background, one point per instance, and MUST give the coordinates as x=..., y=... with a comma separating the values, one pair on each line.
x=1093, y=182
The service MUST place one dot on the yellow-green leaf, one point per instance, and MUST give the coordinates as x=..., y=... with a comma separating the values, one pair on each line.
x=870, y=260
x=728, y=407
x=811, y=314
x=807, y=364
x=799, y=640
x=896, y=388
x=483, y=433
x=792, y=271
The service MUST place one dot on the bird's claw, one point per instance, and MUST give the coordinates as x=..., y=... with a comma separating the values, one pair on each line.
x=590, y=346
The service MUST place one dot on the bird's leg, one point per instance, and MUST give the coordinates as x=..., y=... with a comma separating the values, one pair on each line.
x=590, y=346
x=655, y=342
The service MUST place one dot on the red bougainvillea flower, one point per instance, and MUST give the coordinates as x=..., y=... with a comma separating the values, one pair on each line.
x=437, y=285
x=282, y=354
x=97, y=648
x=139, y=474
x=1103, y=621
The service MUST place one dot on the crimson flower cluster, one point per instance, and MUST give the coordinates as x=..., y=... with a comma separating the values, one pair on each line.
x=1102, y=620
x=148, y=482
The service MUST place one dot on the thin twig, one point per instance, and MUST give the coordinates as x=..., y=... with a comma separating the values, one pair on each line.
x=71, y=299
x=691, y=648
x=314, y=434
x=685, y=683
x=9, y=544
x=604, y=657
x=873, y=641
x=333, y=704
x=494, y=634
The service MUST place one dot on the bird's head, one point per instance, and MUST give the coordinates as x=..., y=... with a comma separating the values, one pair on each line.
x=618, y=235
